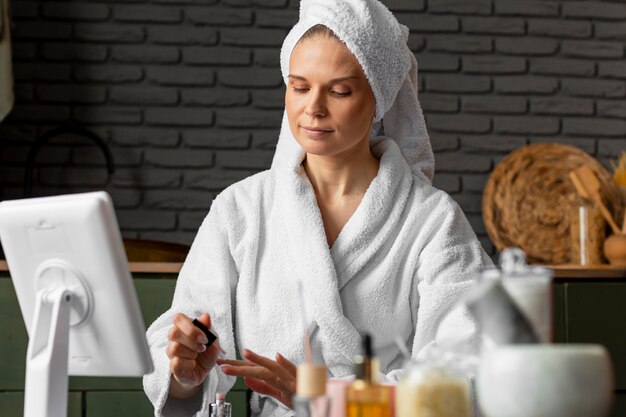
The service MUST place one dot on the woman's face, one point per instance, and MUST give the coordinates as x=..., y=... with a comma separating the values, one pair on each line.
x=329, y=102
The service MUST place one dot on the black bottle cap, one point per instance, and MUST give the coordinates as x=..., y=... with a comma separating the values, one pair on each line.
x=368, y=352
x=212, y=337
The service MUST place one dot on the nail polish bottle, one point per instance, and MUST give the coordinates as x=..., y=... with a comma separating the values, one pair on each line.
x=366, y=397
x=311, y=399
x=221, y=408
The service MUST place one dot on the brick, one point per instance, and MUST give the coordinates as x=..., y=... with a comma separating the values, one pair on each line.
x=447, y=182
x=525, y=85
x=429, y=62
x=256, y=3
x=612, y=69
x=494, y=25
x=611, y=108
x=146, y=54
x=23, y=51
x=442, y=142
x=182, y=2
x=105, y=115
x=467, y=44
x=241, y=118
x=605, y=30
x=124, y=199
x=64, y=93
x=252, y=77
x=595, y=127
x=216, y=179
x=12, y=176
x=460, y=6
x=108, y=73
x=176, y=236
x=24, y=92
x=560, y=66
x=75, y=11
x=109, y=33
x=179, y=117
x=494, y=104
x=269, y=58
x=526, y=125
x=560, y=28
x=182, y=35
x=181, y=76
x=276, y=18
x=69, y=52
x=527, y=8
x=215, y=97
x=416, y=42
x=474, y=183
x=147, y=178
x=180, y=158
x=53, y=154
x=439, y=103
x=217, y=56
x=41, y=30
x=592, y=49
x=147, y=14
x=611, y=147
x=178, y=200
x=144, y=136
x=587, y=145
x=417, y=22
x=25, y=9
x=191, y=221
x=265, y=139
x=41, y=72
x=38, y=113
x=403, y=5
x=460, y=162
x=527, y=46
x=493, y=65
x=490, y=144
x=92, y=156
x=72, y=176
x=594, y=10
x=216, y=139
x=214, y=16
x=561, y=106
x=256, y=159
x=143, y=95
x=457, y=84
x=458, y=123
x=253, y=37
x=594, y=88
x=469, y=203
x=272, y=99
x=146, y=220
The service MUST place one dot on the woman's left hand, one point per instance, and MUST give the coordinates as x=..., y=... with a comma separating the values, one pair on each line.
x=263, y=375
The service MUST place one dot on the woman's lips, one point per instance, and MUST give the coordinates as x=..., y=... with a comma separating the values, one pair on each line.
x=316, y=132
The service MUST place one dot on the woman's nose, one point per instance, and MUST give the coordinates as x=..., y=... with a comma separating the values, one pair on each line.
x=315, y=106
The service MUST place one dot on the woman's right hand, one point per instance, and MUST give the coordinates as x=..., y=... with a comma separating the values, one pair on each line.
x=190, y=360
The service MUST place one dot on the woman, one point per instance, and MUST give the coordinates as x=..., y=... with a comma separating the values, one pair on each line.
x=346, y=216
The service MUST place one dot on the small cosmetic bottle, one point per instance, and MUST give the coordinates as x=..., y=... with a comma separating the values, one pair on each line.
x=366, y=397
x=311, y=399
x=221, y=408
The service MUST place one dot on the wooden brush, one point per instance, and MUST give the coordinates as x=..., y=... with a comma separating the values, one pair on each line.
x=589, y=188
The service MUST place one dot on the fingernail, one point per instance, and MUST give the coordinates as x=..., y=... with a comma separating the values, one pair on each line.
x=202, y=339
x=202, y=348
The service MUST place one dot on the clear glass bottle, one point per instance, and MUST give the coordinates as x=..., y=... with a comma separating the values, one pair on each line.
x=311, y=399
x=366, y=397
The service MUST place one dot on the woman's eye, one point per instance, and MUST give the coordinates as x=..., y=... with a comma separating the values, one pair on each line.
x=341, y=94
x=299, y=90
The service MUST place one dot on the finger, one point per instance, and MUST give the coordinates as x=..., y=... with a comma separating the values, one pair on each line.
x=234, y=362
x=186, y=333
x=262, y=387
x=205, y=319
x=284, y=375
x=285, y=363
x=175, y=349
x=251, y=371
x=179, y=366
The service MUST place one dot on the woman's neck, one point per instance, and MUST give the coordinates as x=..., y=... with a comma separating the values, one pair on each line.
x=346, y=175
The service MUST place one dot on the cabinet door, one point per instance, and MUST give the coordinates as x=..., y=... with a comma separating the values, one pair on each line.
x=596, y=313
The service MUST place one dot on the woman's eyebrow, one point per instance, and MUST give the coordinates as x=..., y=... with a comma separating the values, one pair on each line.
x=333, y=81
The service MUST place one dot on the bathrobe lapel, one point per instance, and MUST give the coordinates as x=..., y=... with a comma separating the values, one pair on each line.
x=323, y=272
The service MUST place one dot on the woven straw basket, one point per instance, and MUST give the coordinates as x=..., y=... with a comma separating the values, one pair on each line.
x=529, y=197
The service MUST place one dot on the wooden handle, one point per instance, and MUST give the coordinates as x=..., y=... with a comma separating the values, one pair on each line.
x=606, y=214
x=624, y=224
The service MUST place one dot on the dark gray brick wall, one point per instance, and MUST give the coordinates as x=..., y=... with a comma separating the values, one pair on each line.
x=189, y=97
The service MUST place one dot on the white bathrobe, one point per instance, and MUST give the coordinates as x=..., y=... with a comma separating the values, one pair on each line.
x=401, y=262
